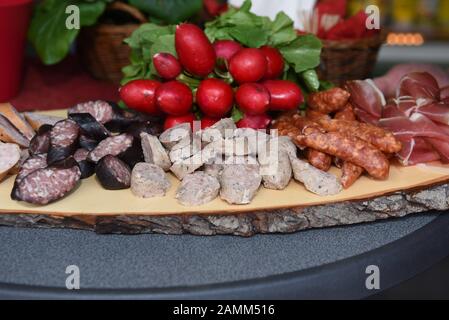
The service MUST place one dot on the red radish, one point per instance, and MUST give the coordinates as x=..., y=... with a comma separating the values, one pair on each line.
x=285, y=95
x=261, y=121
x=167, y=66
x=215, y=7
x=275, y=62
x=215, y=97
x=174, y=98
x=195, y=52
x=172, y=121
x=226, y=49
x=248, y=65
x=253, y=98
x=208, y=122
x=140, y=95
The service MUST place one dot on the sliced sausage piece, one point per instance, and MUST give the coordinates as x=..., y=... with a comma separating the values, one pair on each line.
x=148, y=181
x=133, y=155
x=9, y=157
x=149, y=127
x=49, y=184
x=9, y=133
x=41, y=141
x=286, y=144
x=126, y=120
x=87, y=168
x=30, y=165
x=154, y=152
x=180, y=154
x=316, y=181
x=90, y=127
x=257, y=139
x=173, y=136
x=222, y=129
x=87, y=143
x=114, y=146
x=197, y=188
x=63, y=141
x=276, y=170
x=101, y=110
x=239, y=183
x=113, y=173
x=182, y=168
x=17, y=120
x=37, y=120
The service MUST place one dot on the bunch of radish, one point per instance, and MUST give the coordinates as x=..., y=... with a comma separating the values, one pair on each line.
x=252, y=86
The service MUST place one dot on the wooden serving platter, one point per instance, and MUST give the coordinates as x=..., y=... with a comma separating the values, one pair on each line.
x=408, y=190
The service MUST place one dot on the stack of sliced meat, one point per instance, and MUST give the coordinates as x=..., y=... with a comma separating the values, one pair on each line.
x=418, y=116
x=330, y=133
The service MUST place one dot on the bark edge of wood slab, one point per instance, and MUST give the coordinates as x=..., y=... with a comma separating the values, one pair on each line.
x=394, y=205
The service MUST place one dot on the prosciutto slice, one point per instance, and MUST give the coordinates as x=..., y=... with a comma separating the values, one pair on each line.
x=419, y=85
x=416, y=150
x=366, y=96
x=417, y=125
x=438, y=112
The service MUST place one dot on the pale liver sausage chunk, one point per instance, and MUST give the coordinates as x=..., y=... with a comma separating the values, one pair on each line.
x=197, y=188
x=316, y=181
x=276, y=171
x=179, y=135
x=148, y=180
x=154, y=152
x=239, y=183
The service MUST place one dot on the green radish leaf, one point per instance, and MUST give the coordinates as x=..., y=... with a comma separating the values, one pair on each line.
x=326, y=85
x=236, y=114
x=170, y=11
x=303, y=53
x=310, y=78
x=145, y=42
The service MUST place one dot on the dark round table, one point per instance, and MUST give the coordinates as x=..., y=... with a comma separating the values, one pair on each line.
x=321, y=263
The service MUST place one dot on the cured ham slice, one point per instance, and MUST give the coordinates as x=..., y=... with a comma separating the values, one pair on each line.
x=444, y=92
x=364, y=116
x=366, y=96
x=438, y=112
x=416, y=150
x=419, y=85
x=417, y=125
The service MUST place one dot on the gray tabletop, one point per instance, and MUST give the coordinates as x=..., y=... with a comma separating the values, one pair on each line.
x=34, y=259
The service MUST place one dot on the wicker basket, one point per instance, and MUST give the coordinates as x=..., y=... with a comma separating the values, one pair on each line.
x=349, y=59
x=102, y=49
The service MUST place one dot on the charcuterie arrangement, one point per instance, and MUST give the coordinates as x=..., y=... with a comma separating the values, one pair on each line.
x=227, y=116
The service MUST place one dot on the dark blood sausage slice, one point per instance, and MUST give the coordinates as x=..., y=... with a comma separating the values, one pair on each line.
x=49, y=184
x=63, y=141
x=115, y=146
x=89, y=126
x=150, y=127
x=133, y=155
x=87, y=168
x=30, y=165
x=87, y=143
x=113, y=173
x=125, y=119
x=41, y=141
x=101, y=110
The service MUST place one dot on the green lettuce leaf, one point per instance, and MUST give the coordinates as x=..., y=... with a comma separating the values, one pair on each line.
x=48, y=32
x=170, y=11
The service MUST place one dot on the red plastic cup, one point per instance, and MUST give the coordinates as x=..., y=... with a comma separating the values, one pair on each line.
x=14, y=21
